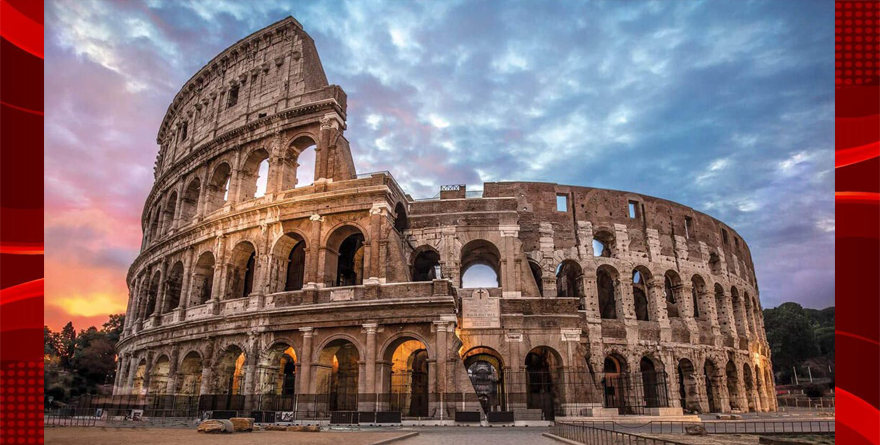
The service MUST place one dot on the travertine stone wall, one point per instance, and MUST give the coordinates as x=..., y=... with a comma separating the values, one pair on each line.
x=211, y=285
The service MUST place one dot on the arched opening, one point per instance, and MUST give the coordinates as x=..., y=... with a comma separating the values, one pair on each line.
x=408, y=377
x=750, y=387
x=688, y=391
x=721, y=309
x=698, y=289
x=299, y=164
x=751, y=319
x=640, y=280
x=229, y=372
x=203, y=279
x=603, y=242
x=671, y=288
x=426, y=265
x=189, y=203
x=714, y=264
x=614, y=382
x=278, y=372
x=537, y=275
x=250, y=182
x=480, y=265
x=218, y=188
x=290, y=254
x=189, y=375
x=345, y=251
x=486, y=372
x=137, y=384
x=606, y=278
x=542, y=364
x=733, y=386
x=168, y=213
x=152, y=295
x=738, y=316
x=337, y=375
x=401, y=222
x=653, y=383
x=242, y=263
x=713, y=394
x=569, y=280
x=159, y=376
x=154, y=224
x=173, y=287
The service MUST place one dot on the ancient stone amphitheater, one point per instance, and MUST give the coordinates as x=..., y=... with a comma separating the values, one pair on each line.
x=265, y=287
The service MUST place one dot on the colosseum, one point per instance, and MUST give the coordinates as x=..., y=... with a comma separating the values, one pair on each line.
x=301, y=293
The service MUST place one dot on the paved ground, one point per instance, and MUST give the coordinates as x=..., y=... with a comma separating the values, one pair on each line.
x=175, y=436
x=481, y=436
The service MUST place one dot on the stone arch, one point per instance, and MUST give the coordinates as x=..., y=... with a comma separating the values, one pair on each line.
x=485, y=369
x=168, y=213
x=154, y=224
x=189, y=202
x=603, y=243
x=480, y=252
x=229, y=371
x=249, y=179
x=537, y=275
x=615, y=377
x=721, y=309
x=653, y=380
x=337, y=372
x=289, y=255
x=688, y=388
x=277, y=369
x=296, y=155
x=189, y=374
x=217, y=193
x=159, y=375
x=405, y=363
x=641, y=290
x=607, y=279
x=202, y=278
x=714, y=264
x=151, y=303
x=738, y=316
x=173, y=287
x=569, y=280
x=750, y=314
x=672, y=293
x=140, y=372
x=712, y=377
x=544, y=380
x=401, y=222
x=749, y=383
x=426, y=264
x=698, y=292
x=241, y=268
x=345, y=250
x=733, y=393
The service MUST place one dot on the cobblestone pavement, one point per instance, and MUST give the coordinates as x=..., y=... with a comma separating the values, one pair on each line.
x=482, y=436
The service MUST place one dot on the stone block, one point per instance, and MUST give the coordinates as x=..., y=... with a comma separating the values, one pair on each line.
x=215, y=426
x=695, y=430
x=242, y=424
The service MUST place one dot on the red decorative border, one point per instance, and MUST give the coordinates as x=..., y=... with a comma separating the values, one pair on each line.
x=857, y=198
x=21, y=221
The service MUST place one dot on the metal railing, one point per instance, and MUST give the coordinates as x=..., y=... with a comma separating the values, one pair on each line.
x=599, y=436
x=717, y=427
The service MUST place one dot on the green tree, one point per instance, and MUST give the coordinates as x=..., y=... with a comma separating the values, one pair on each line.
x=113, y=327
x=67, y=345
x=790, y=335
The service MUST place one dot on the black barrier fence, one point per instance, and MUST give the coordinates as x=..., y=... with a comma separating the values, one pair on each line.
x=717, y=427
x=598, y=436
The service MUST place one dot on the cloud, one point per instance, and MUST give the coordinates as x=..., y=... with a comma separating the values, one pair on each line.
x=723, y=106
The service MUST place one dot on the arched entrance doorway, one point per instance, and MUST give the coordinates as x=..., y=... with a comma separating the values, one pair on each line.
x=653, y=380
x=614, y=383
x=337, y=375
x=408, y=377
x=486, y=372
x=542, y=365
x=733, y=386
x=159, y=376
x=189, y=375
x=713, y=396
x=687, y=387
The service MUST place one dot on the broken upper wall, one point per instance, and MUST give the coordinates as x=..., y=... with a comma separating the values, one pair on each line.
x=268, y=71
x=603, y=209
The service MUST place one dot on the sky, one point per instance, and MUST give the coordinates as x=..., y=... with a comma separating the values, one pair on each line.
x=724, y=106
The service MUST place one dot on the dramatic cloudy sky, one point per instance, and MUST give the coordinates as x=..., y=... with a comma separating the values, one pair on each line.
x=725, y=106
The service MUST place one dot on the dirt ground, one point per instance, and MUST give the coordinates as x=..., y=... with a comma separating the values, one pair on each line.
x=171, y=436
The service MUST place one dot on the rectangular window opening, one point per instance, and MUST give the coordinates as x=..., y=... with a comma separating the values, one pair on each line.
x=561, y=203
x=688, y=224
x=633, y=209
x=183, y=132
x=232, y=99
x=724, y=236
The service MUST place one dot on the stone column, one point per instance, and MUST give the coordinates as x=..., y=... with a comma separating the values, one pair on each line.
x=657, y=298
x=129, y=383
x=305, y=379
x=313, y=266
x=203, y=194
x=163, y=285
x=371, y=358
x=172, y=371
x=147, y=373
x=441, y=327
x=377, y=214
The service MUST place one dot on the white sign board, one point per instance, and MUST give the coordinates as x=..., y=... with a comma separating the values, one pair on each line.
x=480, y=311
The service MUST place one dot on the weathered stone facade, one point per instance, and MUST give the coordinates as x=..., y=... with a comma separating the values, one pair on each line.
x=342, y=287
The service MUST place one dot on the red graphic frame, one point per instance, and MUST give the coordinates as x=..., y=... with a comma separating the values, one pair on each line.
x=857, y=197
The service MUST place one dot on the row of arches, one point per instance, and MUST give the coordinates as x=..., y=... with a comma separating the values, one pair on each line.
x=259, y=172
